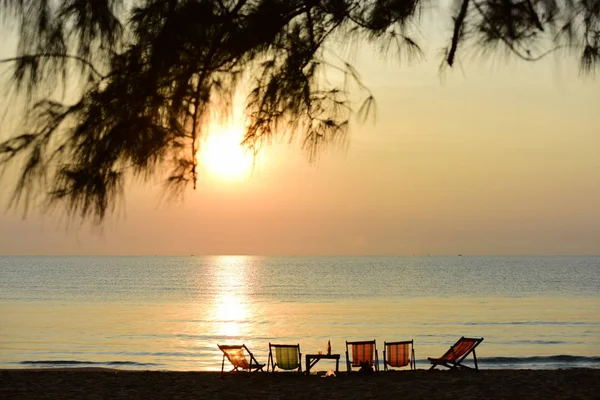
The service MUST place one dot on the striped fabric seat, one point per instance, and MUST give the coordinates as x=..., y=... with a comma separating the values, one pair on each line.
x=455, y=356
x=238, y=358
x=460, y=349
x=287, y=357
x=399, y=354
x=236, y=354
x=362, y=352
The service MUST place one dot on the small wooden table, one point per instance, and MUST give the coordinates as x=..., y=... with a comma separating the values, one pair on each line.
x=312, y=359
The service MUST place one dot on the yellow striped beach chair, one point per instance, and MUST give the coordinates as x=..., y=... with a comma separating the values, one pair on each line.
x=287, y=357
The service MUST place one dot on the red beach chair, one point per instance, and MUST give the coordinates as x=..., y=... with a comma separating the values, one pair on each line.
x=362, y=352
x=398, y=355
x=454, y=357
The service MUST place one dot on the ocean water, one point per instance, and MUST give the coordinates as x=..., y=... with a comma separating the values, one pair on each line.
x=169, y=313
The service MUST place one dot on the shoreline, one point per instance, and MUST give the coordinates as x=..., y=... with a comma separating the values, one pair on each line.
x=100, y=383
x=281, y=372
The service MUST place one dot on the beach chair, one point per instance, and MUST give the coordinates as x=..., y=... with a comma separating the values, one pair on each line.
x=454, y=357
x=362, y=352
x=398, y=355
x=287, y=357
x=236, y=354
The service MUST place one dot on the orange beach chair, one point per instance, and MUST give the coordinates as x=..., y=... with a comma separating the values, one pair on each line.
x=398, y=354
x=362, y=352
x=236, y=354
x=454, y=357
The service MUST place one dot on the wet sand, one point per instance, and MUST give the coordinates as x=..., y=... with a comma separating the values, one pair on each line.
x=98, y=383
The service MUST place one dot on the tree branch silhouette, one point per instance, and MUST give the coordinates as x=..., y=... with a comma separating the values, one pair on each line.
x=158, y=69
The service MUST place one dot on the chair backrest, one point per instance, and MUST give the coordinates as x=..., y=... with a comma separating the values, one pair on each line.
x=287, y=356
x=398, y=353
x=236, y=356
x=362, y=352
x=461, y=348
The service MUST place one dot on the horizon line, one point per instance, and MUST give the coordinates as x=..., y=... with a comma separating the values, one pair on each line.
x=307, y=255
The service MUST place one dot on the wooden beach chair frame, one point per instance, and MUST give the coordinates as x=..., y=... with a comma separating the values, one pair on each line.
x=239, y=364
x=273, y=361
x=356, y=363
x=454, y=357
x=411, y=360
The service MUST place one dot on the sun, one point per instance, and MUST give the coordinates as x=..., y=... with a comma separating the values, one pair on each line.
x=223, y=155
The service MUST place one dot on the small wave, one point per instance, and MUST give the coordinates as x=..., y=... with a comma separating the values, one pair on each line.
x=74, y=362
x=532, y=323
x=566, y=359
x=512, y=323
x=162, y=354
x=544, y=342
x=534, y=362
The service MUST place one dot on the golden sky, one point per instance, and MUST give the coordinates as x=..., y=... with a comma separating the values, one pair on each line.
x=500, y=157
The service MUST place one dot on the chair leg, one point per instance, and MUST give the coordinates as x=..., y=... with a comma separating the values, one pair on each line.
x=348, y=368
x=269, y=361
x=475, y=359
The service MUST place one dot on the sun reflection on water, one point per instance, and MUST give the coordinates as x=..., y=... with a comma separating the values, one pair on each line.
x=230, y=307
x=230, y=314
x=230, y=310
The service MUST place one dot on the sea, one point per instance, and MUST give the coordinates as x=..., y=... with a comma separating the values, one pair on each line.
x=169, y=313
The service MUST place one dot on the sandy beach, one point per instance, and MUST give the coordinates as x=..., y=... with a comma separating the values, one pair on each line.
x=98, y=383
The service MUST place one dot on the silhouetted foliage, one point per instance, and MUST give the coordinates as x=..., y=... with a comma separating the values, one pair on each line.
x=151, y=73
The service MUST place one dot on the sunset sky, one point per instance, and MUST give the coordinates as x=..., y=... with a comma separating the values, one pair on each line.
x=499, y=157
